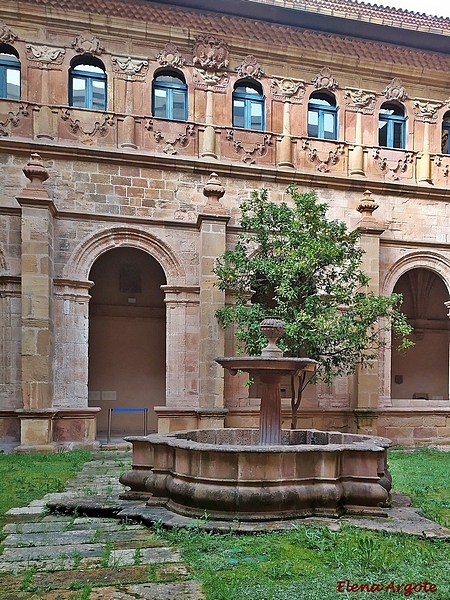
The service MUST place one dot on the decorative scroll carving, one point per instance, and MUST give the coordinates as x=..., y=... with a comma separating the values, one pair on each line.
x=87, y=45
x=322, y=164
x=129, y=68
x=249, y=67
x=207, y=78
x=100, y=127
x=395, y=91
x=170, y=57
x=169, y=146
x=288, y=88
x=325, y=80
x=393, y=172
x=249, y=153
x=359, y=100
x=210, y=52
x=13, y=120
x=438, y=161
x=426, y=111
x=7, y=36
x=45, y=54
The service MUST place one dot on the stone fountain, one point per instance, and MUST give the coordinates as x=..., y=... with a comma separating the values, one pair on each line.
x=270, y=474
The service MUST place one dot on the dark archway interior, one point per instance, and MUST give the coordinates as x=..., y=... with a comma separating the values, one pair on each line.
x=126, y=339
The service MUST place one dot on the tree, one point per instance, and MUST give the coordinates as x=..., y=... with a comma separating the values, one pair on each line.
x=307, y=270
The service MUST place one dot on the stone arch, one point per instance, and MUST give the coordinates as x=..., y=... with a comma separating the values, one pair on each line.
x=82, y=259
x=417, y=260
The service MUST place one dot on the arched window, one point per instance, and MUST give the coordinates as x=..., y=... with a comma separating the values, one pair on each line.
x=445, y=147
x=391, y=126
x=87, y=84
x=170, y=96
x=248, y=105
x=322, y=116
x=9, y=73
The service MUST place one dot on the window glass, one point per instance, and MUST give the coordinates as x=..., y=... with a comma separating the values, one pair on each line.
x=78, y=92
x=322, y=116
x=445, y=147
x=179, y=105
x=87, y=87
x=391, y=126
x=9, y=76
x=13, y=84
x=248, y=107
x=169, y=97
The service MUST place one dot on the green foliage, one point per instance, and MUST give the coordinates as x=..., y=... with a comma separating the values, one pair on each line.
x=305, y=269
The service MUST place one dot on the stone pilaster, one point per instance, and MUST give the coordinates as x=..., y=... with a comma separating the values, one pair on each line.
x=212, y=225
x=367, y=378
x=38, y=212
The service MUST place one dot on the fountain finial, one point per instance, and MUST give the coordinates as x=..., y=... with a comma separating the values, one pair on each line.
x=272, y=328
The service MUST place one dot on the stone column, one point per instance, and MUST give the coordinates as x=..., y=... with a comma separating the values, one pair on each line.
x=212, y=224
x=38, y=212
x=360, y=102
x=209, y=136
x=424, y=160
x=285, y=158
x=367, y=378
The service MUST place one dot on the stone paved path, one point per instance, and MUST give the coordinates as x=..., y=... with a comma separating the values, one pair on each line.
x=50, y=557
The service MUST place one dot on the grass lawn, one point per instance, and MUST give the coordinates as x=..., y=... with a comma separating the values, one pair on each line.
x=27, y=477
x=314, y=563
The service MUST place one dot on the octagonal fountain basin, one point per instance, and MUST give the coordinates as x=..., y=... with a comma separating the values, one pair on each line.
x=228, y=475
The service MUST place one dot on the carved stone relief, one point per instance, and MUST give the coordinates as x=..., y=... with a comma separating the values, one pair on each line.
x=426, y=111
x=359, y=100
x=249, y=67
x=322, y=164
x=395, y=91
x=129, y=68
x=293, y=89
x=210, y=52
x=170, y=57
x=207, y=78
x=171, y=145
x=249, y=151
x=325, y=80
x=87, y=45
x=393, y=171
x=87, y=132
x=7, y=36
x=13, y=120
x=45, y=54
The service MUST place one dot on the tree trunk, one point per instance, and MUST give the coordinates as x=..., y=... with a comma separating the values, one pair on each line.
x=297, y=387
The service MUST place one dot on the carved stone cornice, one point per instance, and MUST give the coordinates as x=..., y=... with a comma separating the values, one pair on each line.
x=171, y=145
x=13, y=120
x=87, y=44
x=46, y=55
x=170, y=57
x=249, y=67
x=426, y=111
x=359, y=100
x=287, y=88
x=325, y=80
x=129, y=68
x=210, y=52
x=7, y=36
x=395, y=90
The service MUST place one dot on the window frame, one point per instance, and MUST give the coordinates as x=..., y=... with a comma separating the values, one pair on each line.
x=249, y=100
x=170, y=88
x=391, y=121
x=446, y=128
x=322, y=111
x=6, y=65
x=88, y=77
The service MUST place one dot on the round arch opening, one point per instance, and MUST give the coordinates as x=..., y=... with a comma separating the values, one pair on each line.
x=420, y=375
x=127, y=325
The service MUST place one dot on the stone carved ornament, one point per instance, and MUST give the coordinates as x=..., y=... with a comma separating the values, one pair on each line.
x=288, y=88
x=45, y=54
x=170, y=146
x=87, y=45
x=170, y=57
x=359, y=99
x=322, y=164
x=210, y=52
x=395, y=91
x=7, y=36
x=325, y=80
x=205, y=78
x=249, y=151
x=13, y=120
x=125, y=65
x=393, y=169
x=426, y=111
x=249, y=67
x=88, y=131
